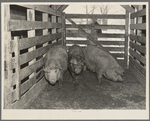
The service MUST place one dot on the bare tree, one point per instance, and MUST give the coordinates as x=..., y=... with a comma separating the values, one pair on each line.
x=89, y=10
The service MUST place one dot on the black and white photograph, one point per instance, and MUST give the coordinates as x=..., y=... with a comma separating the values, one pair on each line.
x=71, y=60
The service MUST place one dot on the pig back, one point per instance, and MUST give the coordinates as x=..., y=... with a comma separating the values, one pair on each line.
x=97, y=58
x=59, y=55
x=75, y=50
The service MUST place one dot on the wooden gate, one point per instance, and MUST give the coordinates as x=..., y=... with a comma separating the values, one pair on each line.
x=115, y=43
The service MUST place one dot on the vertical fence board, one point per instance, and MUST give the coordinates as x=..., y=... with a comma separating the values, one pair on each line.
x=64, y=29
x=7, y=57
x=54, y=21
x=31, y=33
x=45, y=31
x=17, y=69
x=126, y=57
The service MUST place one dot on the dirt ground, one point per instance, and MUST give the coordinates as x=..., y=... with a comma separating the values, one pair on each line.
x=88, y=94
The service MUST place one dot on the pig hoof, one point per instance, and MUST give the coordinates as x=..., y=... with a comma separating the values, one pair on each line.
x=100, y=82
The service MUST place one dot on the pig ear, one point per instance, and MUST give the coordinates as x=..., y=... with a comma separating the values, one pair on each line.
x=46, y=69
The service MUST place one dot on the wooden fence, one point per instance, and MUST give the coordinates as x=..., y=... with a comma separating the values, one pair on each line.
x=116, y=43
x=137, y=48
x=30, y=30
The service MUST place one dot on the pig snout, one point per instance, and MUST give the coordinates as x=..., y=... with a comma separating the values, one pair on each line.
x=77, y=71
x=52, y=76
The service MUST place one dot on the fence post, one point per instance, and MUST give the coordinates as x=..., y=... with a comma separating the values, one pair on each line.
x=7, y=56
x=64, y=29
x=126, y=55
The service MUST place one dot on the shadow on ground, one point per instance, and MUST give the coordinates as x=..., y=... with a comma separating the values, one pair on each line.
x=88, y=94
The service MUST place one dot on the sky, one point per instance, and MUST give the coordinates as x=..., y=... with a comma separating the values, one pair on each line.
x=80, y=9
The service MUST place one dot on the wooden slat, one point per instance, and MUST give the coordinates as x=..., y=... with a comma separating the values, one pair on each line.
x=138, y=56
x=112, y=42
x=102, y=42
x=16, y=25
x=118, y=54
x=138, y=65
x=42, y=8
x=30, y=69
x=121, y=27
x=140, y=48
x=69, y=34
x=140, y=77
x=29, y=42
x=107, y=16
x=115, y=48
x=138, y=13
x=141, y=26
x=62, y=8
x=30, y=95
x=29, y=83
x=141, y=39
x=64, y=29
x=26, y=57
x=128, y=8
x=126, y=39
x=17, y=70
x=76, y=42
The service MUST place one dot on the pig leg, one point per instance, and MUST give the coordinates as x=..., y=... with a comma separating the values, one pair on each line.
x=72, y=75
x=99, y=73
x=60, y=81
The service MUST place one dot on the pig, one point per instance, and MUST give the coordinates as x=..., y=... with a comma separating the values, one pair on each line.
x=56, y=64
x=100, y=61
x=76, y=61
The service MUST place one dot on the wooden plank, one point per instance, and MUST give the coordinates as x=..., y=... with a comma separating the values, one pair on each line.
x=29, y=42
x=140, y=48
x=115, y=48
x=28, y=84
x=69, y=34
x=16, y=25
x=17, y=70
x=26, y=57
x=141, y=26
x=76, y=42
x=138, y=56
x=138, y=13
x=31, y=33
x=140, y=77
x=62, y=8
x=45, y=19
x=112, y=42
x=128, y=8
x=121, y=55
x=102, y=42
x=121, y=27
x=7, y=71
x=30, y=69
x=101, y=16
x=42, y=8
x=64, y=29
x=30, y=95
x=126, y=58
x=141, y=39
x=54, y=21
x=138, y=65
